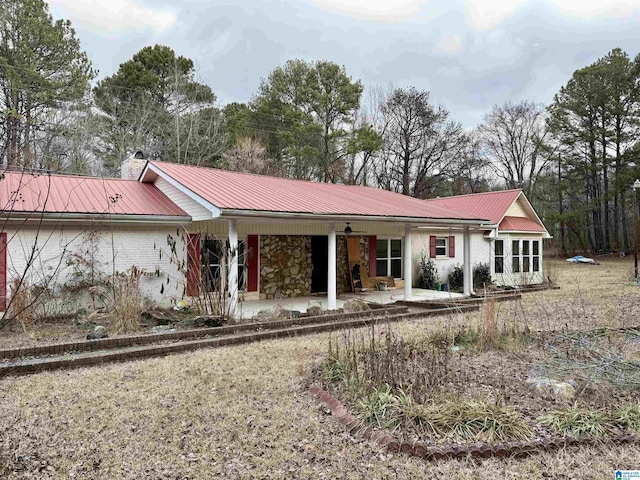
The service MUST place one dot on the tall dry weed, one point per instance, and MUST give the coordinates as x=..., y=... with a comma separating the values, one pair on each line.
x=127, y=301
x=489, y=322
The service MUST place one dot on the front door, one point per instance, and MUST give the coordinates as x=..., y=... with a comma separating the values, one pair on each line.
x=320, y=262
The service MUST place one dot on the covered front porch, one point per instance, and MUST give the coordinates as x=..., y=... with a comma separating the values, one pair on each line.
x=288, y=263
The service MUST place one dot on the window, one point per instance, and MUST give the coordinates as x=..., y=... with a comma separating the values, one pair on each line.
x=515, y=256
x=441, y=246
x=389, y=257
x=499, y=256
x=213, y=258
x=526, y=256
x=536, y=255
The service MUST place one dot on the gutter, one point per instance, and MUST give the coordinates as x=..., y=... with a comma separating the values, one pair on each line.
x=84, y=217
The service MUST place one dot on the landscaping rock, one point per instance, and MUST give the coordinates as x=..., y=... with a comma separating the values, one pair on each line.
x=162, y=329
x=548, y=387
x=314, y=309
x=96, y=335
x=204, y=321
x=353, y=305
x=268, y=315
x=98, y=329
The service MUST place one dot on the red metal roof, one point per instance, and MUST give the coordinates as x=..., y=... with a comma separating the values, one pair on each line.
x=520, y=224
x=491, y=205
x=41, y=192
x=243, y=191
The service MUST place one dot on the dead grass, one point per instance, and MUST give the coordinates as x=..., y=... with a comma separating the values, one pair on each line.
x=241, y=412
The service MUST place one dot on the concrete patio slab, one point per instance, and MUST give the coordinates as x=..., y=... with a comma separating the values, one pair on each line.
x=249, y=309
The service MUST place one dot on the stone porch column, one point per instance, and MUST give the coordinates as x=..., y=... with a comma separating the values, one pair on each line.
x=332, y=289
x=408, y=266
x=232, y=275
x=467, y=269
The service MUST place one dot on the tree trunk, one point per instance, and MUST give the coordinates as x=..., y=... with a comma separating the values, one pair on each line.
x=563, y=244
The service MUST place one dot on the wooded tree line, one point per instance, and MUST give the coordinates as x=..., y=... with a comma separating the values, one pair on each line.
x=575, y=158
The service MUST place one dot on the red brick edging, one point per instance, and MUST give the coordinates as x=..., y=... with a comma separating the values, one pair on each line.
x=358, y=429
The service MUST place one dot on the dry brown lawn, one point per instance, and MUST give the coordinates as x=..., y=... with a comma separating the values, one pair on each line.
x=241, y=412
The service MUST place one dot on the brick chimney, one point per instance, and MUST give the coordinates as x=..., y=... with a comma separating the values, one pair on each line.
x=132, y=166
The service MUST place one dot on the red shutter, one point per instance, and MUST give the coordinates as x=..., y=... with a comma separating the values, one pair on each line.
x=432, y=246
x=252, y=252
x=373, y=253
x=3, y=271
x=452, y=246
x=193, y=265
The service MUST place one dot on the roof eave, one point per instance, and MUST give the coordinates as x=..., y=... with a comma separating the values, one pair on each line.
x=158, y=172
x=235, y=213
x=105, y=217
x=544, y=233
x=530, y=210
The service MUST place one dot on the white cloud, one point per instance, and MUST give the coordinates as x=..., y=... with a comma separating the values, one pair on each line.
x=598, y=8
x=115, y=15
x=380, y=10
x=451, y=44
x=488, y=14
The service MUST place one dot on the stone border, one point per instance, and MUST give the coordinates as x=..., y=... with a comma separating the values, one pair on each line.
x=428, y=452
x=58, y=362
x=129, y=341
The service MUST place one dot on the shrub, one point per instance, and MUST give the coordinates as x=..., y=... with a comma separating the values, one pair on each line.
x=428, y=276
x=578, y=422
x=481, y=274
x=374, y=407
x=628, y=417
x=456, y=278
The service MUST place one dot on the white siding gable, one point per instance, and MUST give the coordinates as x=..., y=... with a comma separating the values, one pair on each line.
x=189, y=205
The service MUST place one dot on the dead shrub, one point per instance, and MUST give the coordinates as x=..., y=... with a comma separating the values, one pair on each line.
x=368, y=363
x=21, y=304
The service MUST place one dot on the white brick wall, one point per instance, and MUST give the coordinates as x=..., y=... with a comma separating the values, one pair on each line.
x=119, y=245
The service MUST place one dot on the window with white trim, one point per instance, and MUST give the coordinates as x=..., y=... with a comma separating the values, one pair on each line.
x=213, y=257
x=498, y=247
x=515, y=256
x=389, y=257
x=526, y=256
x=442, y=246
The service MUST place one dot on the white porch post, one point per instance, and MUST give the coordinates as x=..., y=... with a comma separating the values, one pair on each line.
x=467, y=270
x=233, y=267
x=332, y=288
x=408, y=267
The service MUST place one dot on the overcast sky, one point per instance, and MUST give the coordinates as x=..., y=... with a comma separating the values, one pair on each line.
x=470, y=54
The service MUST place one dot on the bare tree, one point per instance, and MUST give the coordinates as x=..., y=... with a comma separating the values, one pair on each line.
x=249, y=155
x=514, y=141
x=421, y=143
x=472, y=170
